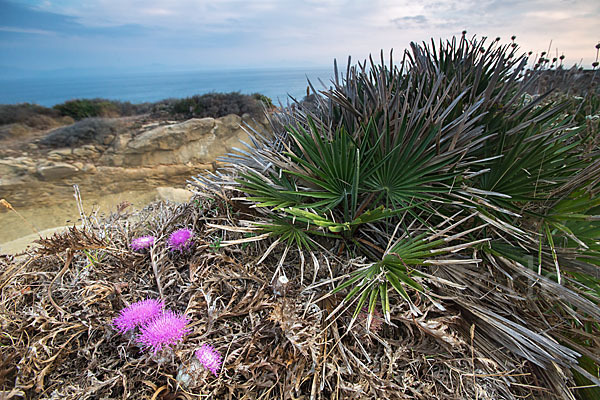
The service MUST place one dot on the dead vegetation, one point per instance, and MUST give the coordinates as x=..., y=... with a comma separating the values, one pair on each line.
x=58, y=302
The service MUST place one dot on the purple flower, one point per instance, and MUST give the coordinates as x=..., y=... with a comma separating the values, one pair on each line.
x=209, y=357
x=163, y=331
x=138, y=314
x=143, y=242
x=180, y=239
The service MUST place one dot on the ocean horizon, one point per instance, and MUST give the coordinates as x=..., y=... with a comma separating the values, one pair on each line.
x=278, y=84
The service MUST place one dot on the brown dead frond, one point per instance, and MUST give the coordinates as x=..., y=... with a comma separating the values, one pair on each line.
x=72, y=238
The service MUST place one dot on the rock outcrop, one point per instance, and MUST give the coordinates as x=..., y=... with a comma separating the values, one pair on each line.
x=176, y=195
x=132, y=155
x=129, y=155
x=196, y=141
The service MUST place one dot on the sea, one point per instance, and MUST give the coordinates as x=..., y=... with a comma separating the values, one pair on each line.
x=278, y=84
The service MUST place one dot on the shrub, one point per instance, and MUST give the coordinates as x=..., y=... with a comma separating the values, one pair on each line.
x=27, y=114
x=208, y=105
x=216, y=105
x=86, y=108
x=267, y=101
x=90, y=130
x=13, y=130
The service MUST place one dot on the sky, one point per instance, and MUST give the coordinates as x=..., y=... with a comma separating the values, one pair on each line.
x=134, y=35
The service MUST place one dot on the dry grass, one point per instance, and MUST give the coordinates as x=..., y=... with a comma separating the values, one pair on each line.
x=58, y=301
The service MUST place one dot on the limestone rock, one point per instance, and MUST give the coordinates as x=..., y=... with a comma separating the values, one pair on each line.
x=196, y=141
x=162, y=153
x=86, y=151
x=14, y=171
x=120, y=143
x=171, y=137
x=176, y=195
x=108, y=139
x=57, y=170
x=192, y=142
x=88, y=167
x=260, y=125
x=60, y=154
x=231, y=121
x=114, y=155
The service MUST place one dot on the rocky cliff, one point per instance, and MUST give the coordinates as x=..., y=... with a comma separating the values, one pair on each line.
x=130, y=156
x=108, y=156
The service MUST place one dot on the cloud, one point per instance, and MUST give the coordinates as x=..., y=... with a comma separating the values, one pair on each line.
x=156, y=11
x=175, y=14
x=412, y=21
x=14, y=29
x=293, y=32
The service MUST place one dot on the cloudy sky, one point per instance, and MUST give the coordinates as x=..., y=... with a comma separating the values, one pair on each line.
x=199, y=34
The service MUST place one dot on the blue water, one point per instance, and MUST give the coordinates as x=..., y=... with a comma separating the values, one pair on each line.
x=150, y=87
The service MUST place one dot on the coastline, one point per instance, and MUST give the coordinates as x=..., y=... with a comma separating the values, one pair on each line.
x=49, y=90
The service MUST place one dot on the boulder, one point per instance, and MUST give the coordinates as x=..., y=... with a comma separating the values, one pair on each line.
x=260, y=125
x=88, y=167
x=57, y=170
x=120, y=143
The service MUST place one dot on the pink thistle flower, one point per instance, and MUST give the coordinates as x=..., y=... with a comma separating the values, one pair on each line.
x=180, y=239
x=209, y=358
x=138, y=314
x=163, y=331
x=143, y=242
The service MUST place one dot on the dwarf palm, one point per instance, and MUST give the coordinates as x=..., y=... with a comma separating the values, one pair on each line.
x=446, y=179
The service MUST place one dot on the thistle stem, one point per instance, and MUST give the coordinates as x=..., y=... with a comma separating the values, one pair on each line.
x=156, y=274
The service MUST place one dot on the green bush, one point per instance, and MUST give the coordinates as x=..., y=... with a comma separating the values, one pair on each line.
x=217, y=105
x=85, y=108
x=267, y=101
